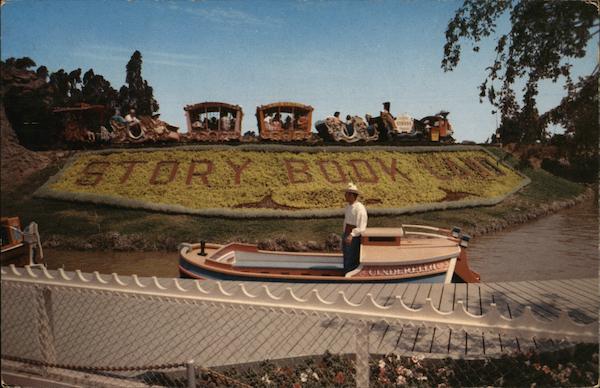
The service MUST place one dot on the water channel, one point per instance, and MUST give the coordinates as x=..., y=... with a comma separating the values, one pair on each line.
x=563, y=245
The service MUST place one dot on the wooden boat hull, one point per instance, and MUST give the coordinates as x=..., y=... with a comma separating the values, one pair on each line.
x=17, y=254
x=188, y=270
x=243, y=262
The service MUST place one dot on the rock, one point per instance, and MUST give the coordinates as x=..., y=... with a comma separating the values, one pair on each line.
x=313, y=246
x=268, y=245
x=333, y=242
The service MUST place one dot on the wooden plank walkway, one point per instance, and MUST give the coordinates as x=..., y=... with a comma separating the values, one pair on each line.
x=579, y=297
x=546, y=298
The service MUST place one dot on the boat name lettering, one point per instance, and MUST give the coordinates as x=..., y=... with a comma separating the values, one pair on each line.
x=406, y=270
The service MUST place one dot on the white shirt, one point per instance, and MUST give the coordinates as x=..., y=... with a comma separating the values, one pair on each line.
x=224, y=123
x=356, y=214
x=130, y=119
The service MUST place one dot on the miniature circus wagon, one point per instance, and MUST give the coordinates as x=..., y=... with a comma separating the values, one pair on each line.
x=214, y=121
x=284, y=121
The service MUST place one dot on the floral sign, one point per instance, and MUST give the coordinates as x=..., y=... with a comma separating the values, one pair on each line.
x=280, y=181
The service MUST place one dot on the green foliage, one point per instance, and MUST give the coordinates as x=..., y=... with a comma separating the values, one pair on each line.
x=580, y=169
x=578, y=113
x=545, y=186
x=20, y=63
x=97, y=90
x=24, y=63
x=138, y=94
x=42, y=72
x=59, y=81
x=544, y=38
x=504, y=156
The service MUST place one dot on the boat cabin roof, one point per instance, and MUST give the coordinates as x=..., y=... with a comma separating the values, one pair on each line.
x=383, y=232
x=410, y=251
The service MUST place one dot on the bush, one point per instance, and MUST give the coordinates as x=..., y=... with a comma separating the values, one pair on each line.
x=580, y=169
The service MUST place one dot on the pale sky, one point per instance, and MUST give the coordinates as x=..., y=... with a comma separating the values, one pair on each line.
x=347, y=56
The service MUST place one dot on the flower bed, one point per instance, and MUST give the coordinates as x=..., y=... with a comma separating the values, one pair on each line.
x=576, y=366
x=282, y=181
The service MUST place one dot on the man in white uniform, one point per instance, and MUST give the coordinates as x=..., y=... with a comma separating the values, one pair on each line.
x=355, y=223
x=131, y=118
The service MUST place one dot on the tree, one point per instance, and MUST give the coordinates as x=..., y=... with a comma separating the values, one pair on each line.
x=578, y=113
x=59, y=81
x=137, y=94
x=133, y=78
x=24, y=63
x=42, y=72
x=97, y=90
x=75, y=86
x=544, y=37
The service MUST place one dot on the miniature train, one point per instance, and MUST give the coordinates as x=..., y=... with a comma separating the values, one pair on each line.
x=218, y=122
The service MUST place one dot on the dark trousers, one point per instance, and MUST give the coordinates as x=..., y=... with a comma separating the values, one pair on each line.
x=351, y=253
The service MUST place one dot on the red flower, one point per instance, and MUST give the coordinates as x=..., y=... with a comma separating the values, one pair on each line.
x=340, y=378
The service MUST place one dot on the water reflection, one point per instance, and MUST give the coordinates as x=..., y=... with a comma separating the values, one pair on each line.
x=559, y=246
x=161, y=264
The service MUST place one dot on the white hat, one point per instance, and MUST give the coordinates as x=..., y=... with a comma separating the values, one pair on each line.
x=352, y=188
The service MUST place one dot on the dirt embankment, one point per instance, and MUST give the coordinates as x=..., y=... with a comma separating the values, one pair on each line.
x=17, y=163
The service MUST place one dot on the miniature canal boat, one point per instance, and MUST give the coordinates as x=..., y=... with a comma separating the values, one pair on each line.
x=411, y=253
x=19, y=247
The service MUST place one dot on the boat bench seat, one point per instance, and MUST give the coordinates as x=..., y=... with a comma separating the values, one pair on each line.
x=291, y=261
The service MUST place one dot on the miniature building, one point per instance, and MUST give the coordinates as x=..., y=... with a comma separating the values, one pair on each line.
x=214, y=121
x=284, y=121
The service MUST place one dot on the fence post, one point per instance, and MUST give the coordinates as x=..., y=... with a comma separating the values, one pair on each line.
x=191, y=374
x=362, y=354
x=46, y=325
